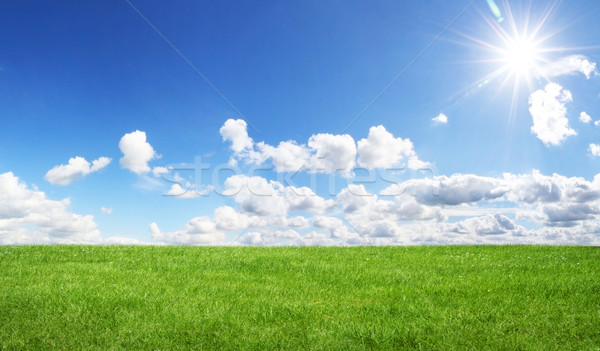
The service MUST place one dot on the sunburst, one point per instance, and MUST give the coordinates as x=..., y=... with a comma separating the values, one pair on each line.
x=517, y=50
x=521, y=56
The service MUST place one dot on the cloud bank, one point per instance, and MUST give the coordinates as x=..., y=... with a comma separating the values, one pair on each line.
x=457, y=209
x=28, y=216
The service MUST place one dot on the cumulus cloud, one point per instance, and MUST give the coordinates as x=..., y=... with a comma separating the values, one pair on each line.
x=137, y=152
x=533, y=188
x=158, y=171
x=256, y=195
x=487, y=225
x=559, y=200
x=594, y=149
x=355, y=197
x=305, y=199
x=235, y=131
x=566, y=214
x=119, y=240
x=106, y=210
x=545, y=196
x=295, y=222
x=78, y=167
x=288, y=156
x=332, y=153
x=336, y=227
x=570, y=65
x=256, y=239
x=198, y=231
x=456, y=209
x=584, y=117
x=286, y=237
x=454, y=190
x=270, y=237
x=382, y=150
x=370, y=216
x=27, y=216
x=190, y=192
x=460, y=208
x=227, y=218
x=260, y=197
x=440, y=119
x=323, y=153
x=548, y=110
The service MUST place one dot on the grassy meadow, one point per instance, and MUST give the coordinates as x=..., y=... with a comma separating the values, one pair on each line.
x=426, y=298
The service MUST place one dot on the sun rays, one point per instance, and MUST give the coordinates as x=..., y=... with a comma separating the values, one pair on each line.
x=516, y=45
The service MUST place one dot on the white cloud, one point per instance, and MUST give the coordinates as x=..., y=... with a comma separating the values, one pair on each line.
x=381, y=150
x=584, y=117
x=286, y=237
x=315, y=239
x=547, y=108
x=542, y=189
x=227, y=218
x=372, y=217
x=199, y=231
x=137, y=152
x=440, y=119
x=78, y=167
x=562, y=214
x=256, y=239
x=379, y=228
x=304, y=199
x=454, y=190
x=595, y=150
x=106, y=210
x=323, y=153
x=259, y=197
x=295, y=222
x=235, y=131
x=417, y=212
x=256, y=195
x=28, y=217
x=288, y=156
x=178, y=191
x=332, y=153
x=597, y=123
x=570, y=65
x=533, y=188
x=355, y=197
x=335, y=226
x=119, y=240
x=487, y=225
x=157, y=171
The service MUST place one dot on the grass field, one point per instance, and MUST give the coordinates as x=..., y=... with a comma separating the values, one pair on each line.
x=444, y=297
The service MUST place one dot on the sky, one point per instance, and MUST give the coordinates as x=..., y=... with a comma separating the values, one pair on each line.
x=300, y=122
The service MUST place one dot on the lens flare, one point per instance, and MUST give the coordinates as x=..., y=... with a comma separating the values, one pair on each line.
x=495, y=10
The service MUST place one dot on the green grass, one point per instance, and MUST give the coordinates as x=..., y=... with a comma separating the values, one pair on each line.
x=433, y=298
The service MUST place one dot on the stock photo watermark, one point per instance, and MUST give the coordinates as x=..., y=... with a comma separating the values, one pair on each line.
x=201, y=179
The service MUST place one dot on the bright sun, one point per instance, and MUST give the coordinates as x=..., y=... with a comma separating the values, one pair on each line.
x=518, y=50
x=520, y=56
x=518, y=53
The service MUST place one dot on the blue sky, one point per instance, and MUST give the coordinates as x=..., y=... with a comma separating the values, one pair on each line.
x=333, y=123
